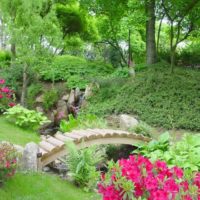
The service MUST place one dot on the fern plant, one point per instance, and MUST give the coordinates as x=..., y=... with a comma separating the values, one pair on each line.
x=82, y=165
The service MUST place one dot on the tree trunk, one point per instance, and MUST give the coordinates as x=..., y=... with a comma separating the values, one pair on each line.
x=13, y=50
x=172, y=47
x=172, y=58
x=24, y=86
x=150, y=32
x=159, y=31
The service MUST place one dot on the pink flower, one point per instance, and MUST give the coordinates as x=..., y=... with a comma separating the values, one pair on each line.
x=178, y=172
x=11, y=104
x=5, y=89
x=171, y=186
x=1, y=96
x=159, y=195
x=2, y=81
x=184, y=185
x=151, y=183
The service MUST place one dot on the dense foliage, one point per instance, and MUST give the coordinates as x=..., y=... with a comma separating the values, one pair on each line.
x=155, y=95
x=77, y=72
x=8, y=161
x=139, y=178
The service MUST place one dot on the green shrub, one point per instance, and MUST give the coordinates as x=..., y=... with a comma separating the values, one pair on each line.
x=82, y=164
x=76, y=71
x=81, y=122
x=50, y=99
x=8, y=161
x=5, y=58
x=184, y=153
x=25, y=118
x=158, y=97
x=32, y=92
x=142, y=128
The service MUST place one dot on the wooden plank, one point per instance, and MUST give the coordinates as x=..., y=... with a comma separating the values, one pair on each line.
x=55, y=142
x=43, y=152
x=47, y=146
x=53, y=157
x=62, y=137
x=74, y=136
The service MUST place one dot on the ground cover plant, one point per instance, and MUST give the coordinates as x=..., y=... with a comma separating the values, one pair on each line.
x=158, y=97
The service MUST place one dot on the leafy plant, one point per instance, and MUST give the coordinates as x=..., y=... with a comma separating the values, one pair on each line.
x=82, y=164
x=25, y=118
x=142, y=128
x=67, y=126
x=32, y=92
x=184, y=153
x=5, y=58
x=82, y=121
x=50, y=98
x=8, y=161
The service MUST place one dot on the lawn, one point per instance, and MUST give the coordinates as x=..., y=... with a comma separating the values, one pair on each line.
x=9, y=132
x=42, y=187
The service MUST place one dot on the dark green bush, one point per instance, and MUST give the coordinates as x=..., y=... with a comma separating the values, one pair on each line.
x=77, y=72
x=158, y=97
x=190, y=56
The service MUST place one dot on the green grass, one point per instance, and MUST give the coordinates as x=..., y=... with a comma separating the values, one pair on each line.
x=42, y=187
x=11, y=133
x=156, y=96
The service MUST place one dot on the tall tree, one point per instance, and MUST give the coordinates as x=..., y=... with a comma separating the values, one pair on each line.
x=151, y=56
x=183, y=17
x=32, y=35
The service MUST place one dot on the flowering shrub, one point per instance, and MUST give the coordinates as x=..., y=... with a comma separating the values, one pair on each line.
x=8, y=164
x=139, y=178
x=6, y=96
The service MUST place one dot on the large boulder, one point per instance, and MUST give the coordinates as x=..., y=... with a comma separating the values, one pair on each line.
x=62, y=110
x=77, y=94
x=65, y=97
x=29, y=157
x=71, y=100
x=127, y=121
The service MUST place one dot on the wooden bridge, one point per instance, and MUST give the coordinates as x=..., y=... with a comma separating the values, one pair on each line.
x=52, y=148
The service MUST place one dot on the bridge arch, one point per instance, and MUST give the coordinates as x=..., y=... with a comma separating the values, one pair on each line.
x=52, y=148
